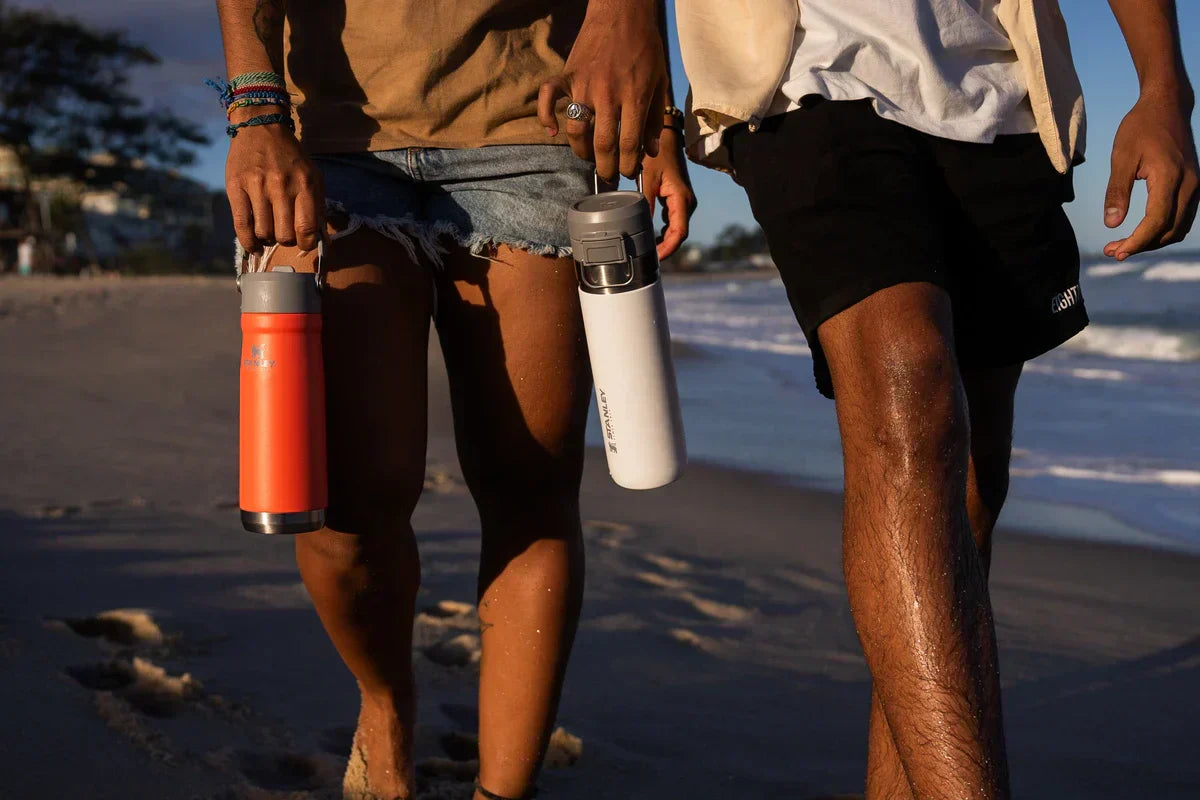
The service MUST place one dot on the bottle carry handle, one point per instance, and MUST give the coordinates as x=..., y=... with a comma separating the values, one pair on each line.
x=596, y=182
x=257, y=263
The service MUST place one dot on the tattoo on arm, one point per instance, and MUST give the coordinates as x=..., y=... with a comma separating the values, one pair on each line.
x=268, y=24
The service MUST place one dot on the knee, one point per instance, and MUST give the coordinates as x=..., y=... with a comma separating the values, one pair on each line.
x=537, y=486
x=914, y=408
x=362, y=562
x=375, y=502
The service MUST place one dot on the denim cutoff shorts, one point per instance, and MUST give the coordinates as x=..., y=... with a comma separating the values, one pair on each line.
x=479, y=198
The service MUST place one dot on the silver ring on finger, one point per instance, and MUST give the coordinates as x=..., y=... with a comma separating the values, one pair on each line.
x=580, y=112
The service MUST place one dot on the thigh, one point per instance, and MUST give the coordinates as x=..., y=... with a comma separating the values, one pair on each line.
x=376, y=310
x=512, y=336
x=848, y=203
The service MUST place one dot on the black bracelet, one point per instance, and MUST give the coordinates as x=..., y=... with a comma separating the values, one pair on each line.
x=264, y=119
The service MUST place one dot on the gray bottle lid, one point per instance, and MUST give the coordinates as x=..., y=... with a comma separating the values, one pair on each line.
x=625, y=212
x=280, y=291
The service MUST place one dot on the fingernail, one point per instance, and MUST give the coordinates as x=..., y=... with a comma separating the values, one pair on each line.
x=1122, y=256
x=1112, y=213
x=551, y=131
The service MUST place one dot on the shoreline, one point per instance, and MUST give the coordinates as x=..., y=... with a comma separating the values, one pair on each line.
x=160, y=651
x=1064, y=532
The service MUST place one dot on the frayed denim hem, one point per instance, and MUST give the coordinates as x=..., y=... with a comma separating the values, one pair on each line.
x=427, y=238
x=417, y=238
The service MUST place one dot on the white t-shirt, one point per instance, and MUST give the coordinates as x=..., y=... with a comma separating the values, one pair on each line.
x=944, y=67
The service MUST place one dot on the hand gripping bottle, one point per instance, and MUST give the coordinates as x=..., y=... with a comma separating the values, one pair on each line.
x=283, y=485
x=625, y=318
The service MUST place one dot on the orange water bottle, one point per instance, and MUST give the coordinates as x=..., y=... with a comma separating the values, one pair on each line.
x=283, y=483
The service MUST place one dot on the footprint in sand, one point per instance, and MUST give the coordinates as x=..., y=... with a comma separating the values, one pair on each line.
x=449, y=614
x=439, y=481
x=690, y=638
x=679, y=589
x=612, y=535
x=146, y=687
x=461, y=760
x=812, y=583
x=52, y=512
x=564, y=750
x=667, y=564
x=129, y=627
x=460, y=651
x=285, y=772
x=724, y=612
x=661, y=581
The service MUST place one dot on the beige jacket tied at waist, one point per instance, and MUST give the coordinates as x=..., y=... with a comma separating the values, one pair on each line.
x=737, y=52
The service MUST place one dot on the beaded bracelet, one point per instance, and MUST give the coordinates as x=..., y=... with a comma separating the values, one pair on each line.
x=265, y=119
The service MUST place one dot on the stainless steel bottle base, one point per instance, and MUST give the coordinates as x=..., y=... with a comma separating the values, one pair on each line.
x=293, y=522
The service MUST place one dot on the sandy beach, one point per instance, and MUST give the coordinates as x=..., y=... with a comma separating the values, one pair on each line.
x=149, y=648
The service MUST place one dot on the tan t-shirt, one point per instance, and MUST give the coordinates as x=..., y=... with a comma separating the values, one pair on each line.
x=384, y=74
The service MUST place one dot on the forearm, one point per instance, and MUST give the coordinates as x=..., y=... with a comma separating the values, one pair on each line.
x=1151, y=31
x=252, y=31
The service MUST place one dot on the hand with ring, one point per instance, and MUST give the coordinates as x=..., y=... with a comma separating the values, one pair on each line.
x=616, y=82
x=580, y=112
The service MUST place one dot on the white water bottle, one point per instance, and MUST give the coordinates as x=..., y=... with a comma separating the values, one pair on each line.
x=625, y=318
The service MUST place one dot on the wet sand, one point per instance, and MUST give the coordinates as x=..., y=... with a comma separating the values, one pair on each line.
x=150, y=648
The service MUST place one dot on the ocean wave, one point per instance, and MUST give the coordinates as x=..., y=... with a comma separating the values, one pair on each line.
x=1149, y=344
x=1178, y=478
x=743, y=343
x=1172, y=272
x=1109, y=270
x=1082, y=373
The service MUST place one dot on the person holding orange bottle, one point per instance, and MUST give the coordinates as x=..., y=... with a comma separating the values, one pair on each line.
x=419, y=155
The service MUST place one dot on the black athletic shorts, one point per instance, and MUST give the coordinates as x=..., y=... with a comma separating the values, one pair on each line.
x=852, y=203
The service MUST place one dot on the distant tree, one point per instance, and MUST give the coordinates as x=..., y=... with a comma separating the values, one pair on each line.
x=735, y=241
x=67, y=110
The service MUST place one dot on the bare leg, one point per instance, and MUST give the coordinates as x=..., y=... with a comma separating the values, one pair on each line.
x=362, y=571
x=990, y=395
x=513, y=339
x=916, y=581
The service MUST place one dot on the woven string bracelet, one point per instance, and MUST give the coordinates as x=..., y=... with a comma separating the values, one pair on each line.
x=265, y=119
x=250, y=84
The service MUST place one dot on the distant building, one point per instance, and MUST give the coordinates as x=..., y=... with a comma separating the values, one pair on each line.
x=686, y=259
x=149, y=208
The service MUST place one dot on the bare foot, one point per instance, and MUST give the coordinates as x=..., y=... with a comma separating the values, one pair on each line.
x=380, y=765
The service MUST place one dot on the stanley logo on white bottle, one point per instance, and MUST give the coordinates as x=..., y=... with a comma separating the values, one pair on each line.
x=610, y=434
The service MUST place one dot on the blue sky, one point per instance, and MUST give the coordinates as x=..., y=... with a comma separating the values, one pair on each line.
x=186, y=36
